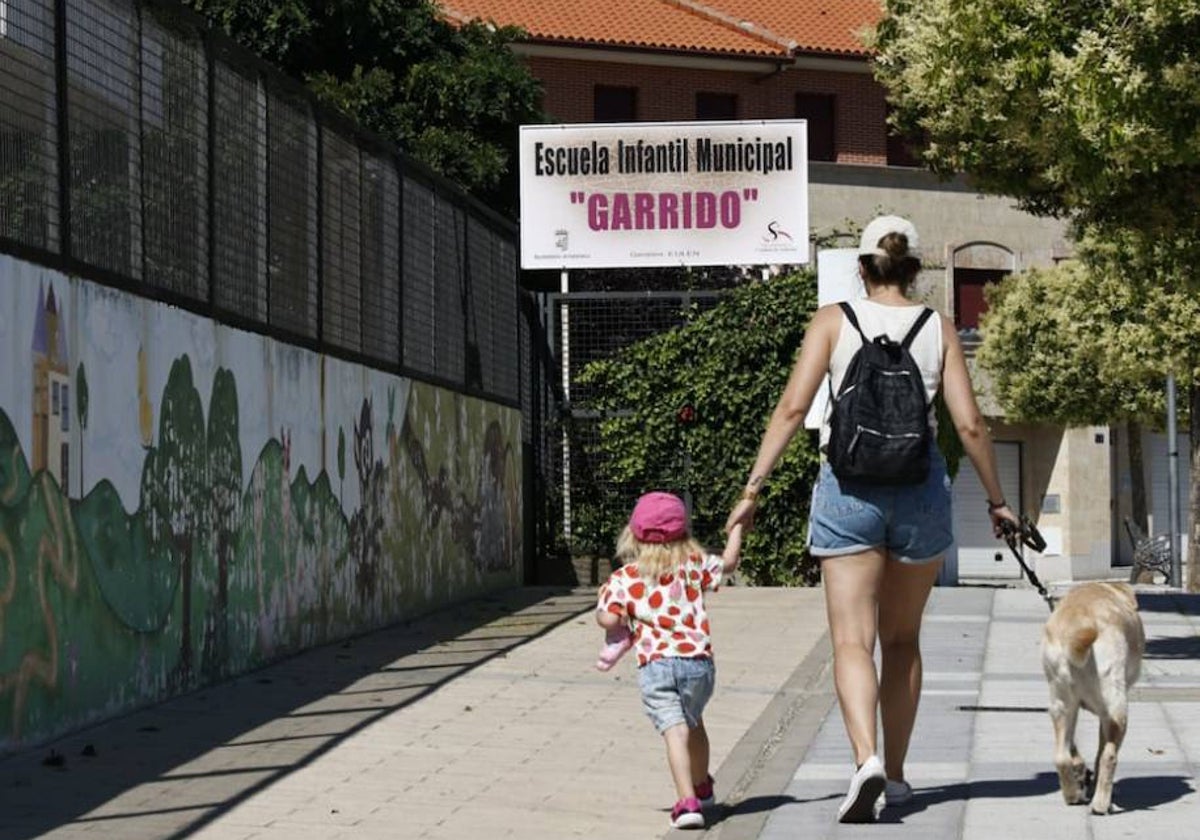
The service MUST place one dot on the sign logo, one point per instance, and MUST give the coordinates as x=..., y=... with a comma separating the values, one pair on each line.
x=561, y=239
x=775, y=232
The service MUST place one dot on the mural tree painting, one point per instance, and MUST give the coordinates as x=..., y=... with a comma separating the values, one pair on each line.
x=81, y=411
x=174, y=490
x=224, y=498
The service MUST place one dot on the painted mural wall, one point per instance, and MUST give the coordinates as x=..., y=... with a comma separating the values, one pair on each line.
x=181, y=501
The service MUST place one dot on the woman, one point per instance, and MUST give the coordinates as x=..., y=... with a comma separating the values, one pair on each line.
x=880, y=546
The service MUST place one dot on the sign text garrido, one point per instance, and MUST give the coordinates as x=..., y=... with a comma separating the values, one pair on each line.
x=659, y=194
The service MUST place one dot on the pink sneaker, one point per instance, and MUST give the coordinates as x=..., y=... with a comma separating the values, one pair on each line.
x=616, y=643
x=687, y=814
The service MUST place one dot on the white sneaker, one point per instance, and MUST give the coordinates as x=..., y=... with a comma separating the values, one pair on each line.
x=897, y=793
x=867, y=783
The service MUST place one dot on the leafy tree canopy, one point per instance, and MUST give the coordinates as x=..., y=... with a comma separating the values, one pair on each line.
x=1085, y=342
x=1080, y=109
x=449, y=95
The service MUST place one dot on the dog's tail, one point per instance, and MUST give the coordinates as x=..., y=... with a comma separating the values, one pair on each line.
x=1079, y=645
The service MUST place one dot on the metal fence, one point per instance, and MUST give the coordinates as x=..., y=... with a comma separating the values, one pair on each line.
x=584, y=327
x=139, y=149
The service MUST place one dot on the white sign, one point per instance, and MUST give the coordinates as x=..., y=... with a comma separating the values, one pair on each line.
x=837, y=280
x=664, y=194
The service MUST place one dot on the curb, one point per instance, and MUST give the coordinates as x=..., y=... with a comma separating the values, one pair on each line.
x=765, y=758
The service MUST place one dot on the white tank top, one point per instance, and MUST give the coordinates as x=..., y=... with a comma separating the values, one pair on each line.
x=876, y=319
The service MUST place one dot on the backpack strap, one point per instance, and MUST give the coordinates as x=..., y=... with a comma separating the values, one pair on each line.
x=853, y=319
x=916, y=328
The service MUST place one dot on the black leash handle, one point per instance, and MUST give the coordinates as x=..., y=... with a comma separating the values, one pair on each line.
x=1026, y=534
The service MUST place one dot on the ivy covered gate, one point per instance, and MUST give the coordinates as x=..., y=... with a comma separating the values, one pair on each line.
x=581, y=493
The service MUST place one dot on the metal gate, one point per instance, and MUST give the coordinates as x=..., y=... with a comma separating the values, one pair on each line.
x=574, y=493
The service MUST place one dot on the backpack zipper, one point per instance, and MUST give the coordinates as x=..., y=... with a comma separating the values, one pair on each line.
x=859, y=431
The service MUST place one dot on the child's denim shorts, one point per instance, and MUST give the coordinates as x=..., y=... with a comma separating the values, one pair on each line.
x=676, y=689
x=912, y=522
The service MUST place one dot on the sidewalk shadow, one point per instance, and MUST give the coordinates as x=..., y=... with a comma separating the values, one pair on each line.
x=1173, y=647
x=343, y=687
x=1138, y=793
x=752, y=805
x=1184, y=603
x=925, y=797
x=1141, y=793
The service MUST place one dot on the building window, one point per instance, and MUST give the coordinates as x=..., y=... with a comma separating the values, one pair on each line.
x=904, y=150
x=818, y=109
x=716, y=106
x=614, y=104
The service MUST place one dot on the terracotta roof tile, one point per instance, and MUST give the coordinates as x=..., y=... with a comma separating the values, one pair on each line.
x=731, y=27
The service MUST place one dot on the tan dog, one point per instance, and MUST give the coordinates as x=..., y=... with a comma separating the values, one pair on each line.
x=1092, y=653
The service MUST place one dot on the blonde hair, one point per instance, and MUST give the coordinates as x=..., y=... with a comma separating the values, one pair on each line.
x=654, y=559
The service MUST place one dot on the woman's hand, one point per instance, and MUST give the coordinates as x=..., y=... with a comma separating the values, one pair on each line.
x=999, y=514
x=742, y=514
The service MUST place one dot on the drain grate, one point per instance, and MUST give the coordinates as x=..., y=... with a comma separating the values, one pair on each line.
x=1022, y=709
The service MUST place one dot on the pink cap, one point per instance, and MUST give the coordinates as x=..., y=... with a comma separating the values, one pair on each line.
x=659, y=518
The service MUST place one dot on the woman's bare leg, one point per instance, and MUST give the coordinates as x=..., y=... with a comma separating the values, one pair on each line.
x=852, y=585
x=904, y=594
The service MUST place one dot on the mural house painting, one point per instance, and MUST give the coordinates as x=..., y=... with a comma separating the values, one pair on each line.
x=51, y=392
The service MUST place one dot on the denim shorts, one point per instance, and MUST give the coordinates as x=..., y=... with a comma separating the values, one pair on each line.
x=676, y=689
x=912, y=522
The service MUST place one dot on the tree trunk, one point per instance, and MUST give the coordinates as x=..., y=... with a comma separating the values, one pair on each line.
x=1193, y=575
x=1137, y=477
x=185, y=647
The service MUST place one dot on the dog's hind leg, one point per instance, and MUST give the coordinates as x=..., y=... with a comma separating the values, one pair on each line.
x=1112, y=733
x=1072, y=771
x=1112, y=663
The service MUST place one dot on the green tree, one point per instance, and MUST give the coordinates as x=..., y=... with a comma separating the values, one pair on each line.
x=1086, y=111
x=449, y=94
x=1043, y=350
x=1081, y=344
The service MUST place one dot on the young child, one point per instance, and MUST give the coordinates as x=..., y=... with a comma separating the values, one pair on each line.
x=657, y=596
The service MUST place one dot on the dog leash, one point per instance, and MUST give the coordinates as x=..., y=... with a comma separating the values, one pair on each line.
x=1027, y=534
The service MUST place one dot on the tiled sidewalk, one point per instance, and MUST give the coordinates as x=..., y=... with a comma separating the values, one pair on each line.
x=981, y=757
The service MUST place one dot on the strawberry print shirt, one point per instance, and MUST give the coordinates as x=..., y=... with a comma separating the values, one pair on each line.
x=668, y=615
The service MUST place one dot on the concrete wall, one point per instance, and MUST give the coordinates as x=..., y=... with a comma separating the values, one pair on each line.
x=1067, y=488
x=181, y=501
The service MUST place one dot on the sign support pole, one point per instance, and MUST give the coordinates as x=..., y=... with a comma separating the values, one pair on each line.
x=564, y=286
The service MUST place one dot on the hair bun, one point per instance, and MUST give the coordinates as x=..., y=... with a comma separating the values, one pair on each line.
x=896, y=245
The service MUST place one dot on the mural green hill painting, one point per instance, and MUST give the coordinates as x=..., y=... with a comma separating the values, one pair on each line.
x=217, y=572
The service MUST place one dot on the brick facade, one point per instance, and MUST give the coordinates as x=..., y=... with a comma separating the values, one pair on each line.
x=668, y=94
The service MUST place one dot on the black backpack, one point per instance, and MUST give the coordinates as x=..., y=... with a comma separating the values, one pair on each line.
x=879, y=426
